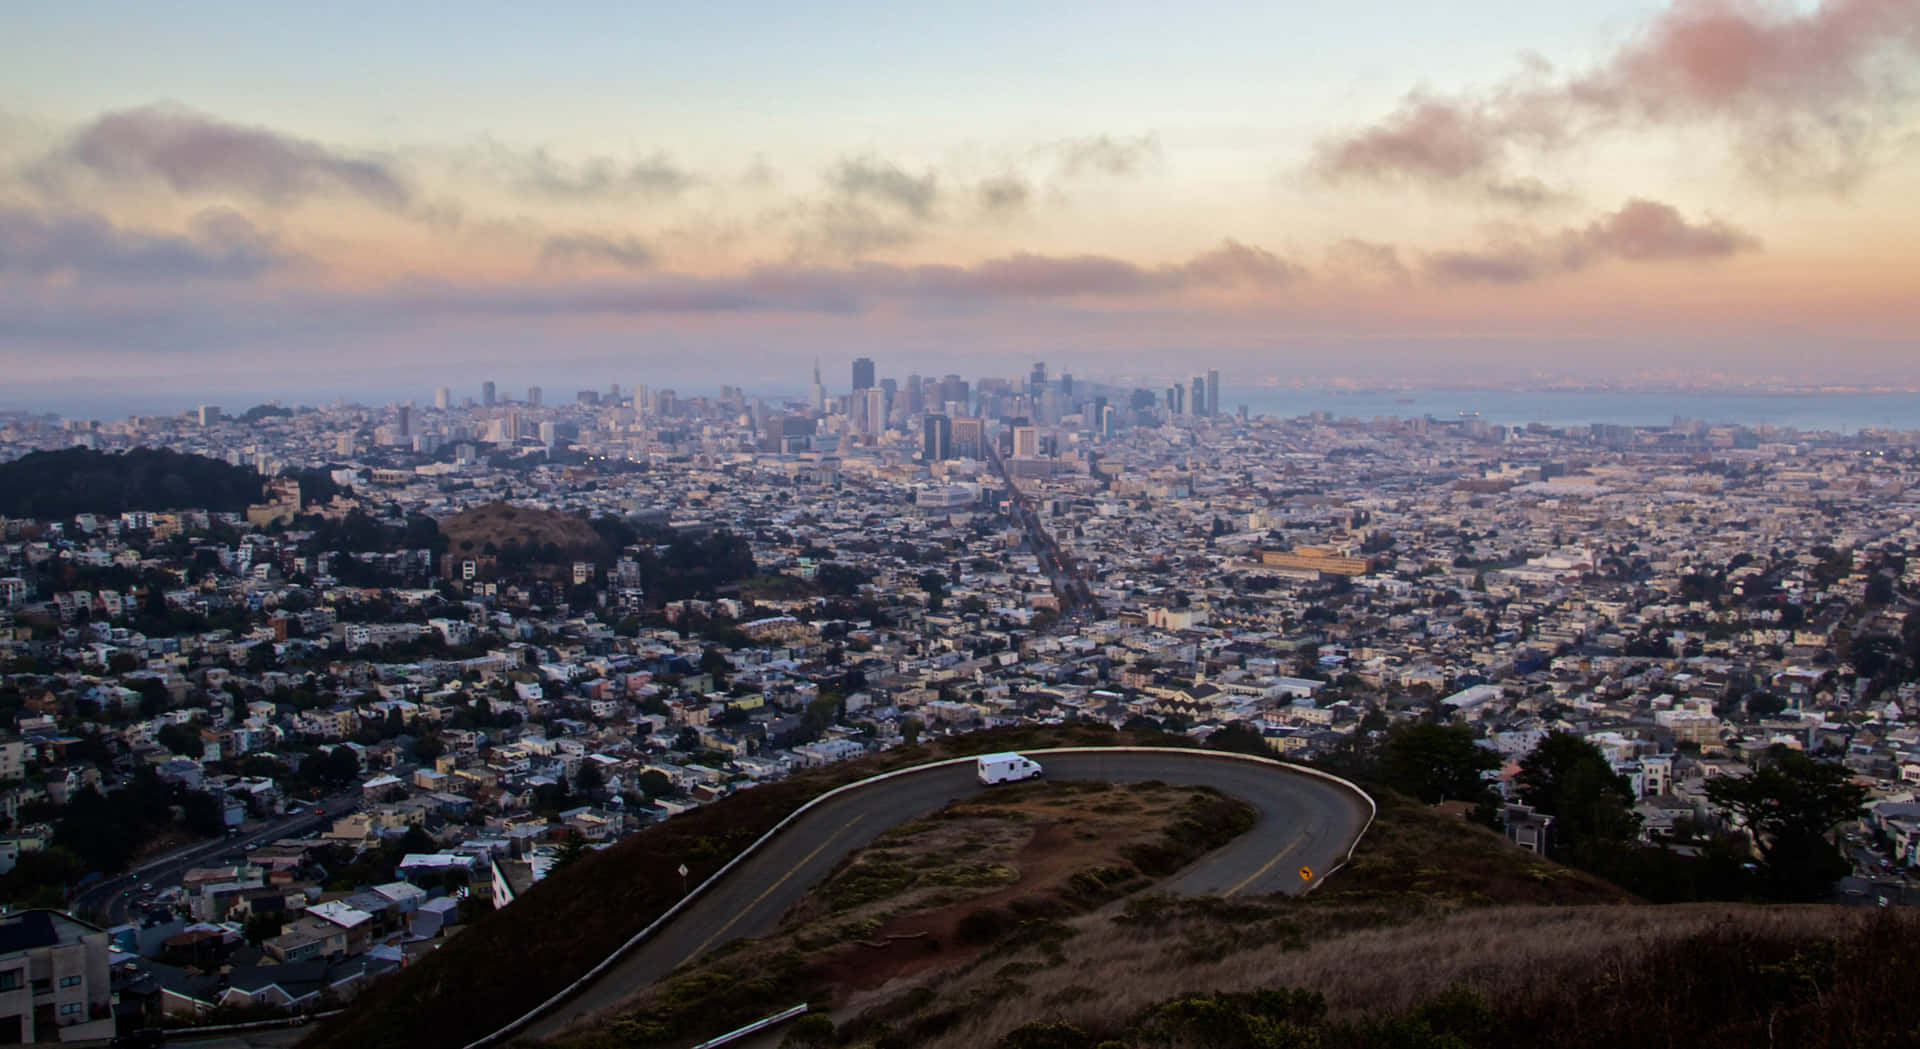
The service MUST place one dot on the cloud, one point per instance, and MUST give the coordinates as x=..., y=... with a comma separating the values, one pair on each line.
x=654, y=176
x=1107, y=155
x=1026, y=276
x=219, y=245
x=1647, y=230
x=1234, y=264
x=1367, y=260
x=199, y=317
x=622, y=251
x=1807, y=95
x=1641, y=231
x=847, y=229
x=1004, y=196
x=193, y=153
x=874, y=181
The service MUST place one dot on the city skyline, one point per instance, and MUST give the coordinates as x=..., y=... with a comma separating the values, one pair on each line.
x=196, y=201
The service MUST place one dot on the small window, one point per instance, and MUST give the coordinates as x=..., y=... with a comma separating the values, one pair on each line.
x=71, y=981
x=10, y=980
x=72, y=1008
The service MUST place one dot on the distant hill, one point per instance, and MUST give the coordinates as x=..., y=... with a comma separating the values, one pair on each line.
x=81, y=481
x=506, y=538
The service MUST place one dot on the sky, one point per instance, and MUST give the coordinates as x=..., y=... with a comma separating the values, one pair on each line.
x=202, y=199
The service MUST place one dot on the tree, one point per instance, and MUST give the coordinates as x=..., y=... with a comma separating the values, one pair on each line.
x=910, y=730
x=655, y=783
x=264, y=926
x=183, y=740
x=589, y=779
x=1790, y=806
x=570, y=850
x=1569, y=779
x=1239, y=738
x=1436, y=762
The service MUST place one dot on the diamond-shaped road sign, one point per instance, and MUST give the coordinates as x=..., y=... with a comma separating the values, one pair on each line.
x=1306, y=874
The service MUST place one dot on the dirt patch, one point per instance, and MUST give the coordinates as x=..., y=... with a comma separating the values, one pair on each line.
x=914, y=943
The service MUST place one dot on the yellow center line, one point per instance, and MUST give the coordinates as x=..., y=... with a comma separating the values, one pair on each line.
x=1255, y=876
x=742, y=912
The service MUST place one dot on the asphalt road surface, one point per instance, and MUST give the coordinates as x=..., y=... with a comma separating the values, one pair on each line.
x=109, y=900
x=1305, y=827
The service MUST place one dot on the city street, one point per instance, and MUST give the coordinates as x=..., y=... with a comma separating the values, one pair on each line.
x=110, y=902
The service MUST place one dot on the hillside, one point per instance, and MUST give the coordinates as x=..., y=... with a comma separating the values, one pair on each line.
x=73, y=481
x=503, y=536
x=937, y=893
x=1440, y=935
x=983, y=927
x=569, y=921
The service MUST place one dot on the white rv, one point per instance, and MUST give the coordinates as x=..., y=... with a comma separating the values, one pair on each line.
x=1006, y=768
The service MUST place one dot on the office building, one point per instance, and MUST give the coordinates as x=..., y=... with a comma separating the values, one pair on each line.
x=1213, y=391
x=442, y=399
x=1199, y=402
x=862, y=374
x=969, y=437
x=874, y=411
x=403, y=420
x=208, y=414
x=1026, y=442
x=533, y=396
x=1038, y=379
x=486, y=393
x=936, y=437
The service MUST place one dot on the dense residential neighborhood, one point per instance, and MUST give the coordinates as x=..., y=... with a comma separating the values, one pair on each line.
x=446, y=649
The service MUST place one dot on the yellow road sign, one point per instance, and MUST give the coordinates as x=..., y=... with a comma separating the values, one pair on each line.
x=1306, y=874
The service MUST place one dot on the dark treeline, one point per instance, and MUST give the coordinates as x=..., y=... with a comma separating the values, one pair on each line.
x=81, y=481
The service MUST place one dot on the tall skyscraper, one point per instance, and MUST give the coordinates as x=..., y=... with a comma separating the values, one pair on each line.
x=442, y=398
x=862, y=373
x=818, y=393
x=486, y=393
x=1199, y=403
x=1213, y=391
x=533, y=396
x=1026, y=442
x=875, y=413
x=936, y=437
x=1039, y=377
x=403, y=420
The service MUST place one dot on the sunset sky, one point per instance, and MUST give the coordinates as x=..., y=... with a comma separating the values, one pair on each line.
x=291, y=200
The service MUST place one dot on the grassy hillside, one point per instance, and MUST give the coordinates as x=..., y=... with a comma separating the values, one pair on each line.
x=937, y=893
x=565, y=924
x=1439, y=935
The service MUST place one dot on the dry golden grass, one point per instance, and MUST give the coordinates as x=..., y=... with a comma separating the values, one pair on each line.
x=903, y=904
x=1112, y=972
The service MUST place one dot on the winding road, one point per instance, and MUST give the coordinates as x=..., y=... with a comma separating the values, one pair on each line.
x=1306, y=826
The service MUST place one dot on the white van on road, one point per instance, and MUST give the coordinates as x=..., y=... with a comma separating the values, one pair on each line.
x=1006, y=768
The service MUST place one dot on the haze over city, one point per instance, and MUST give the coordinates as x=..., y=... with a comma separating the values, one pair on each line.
x=229, y=199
